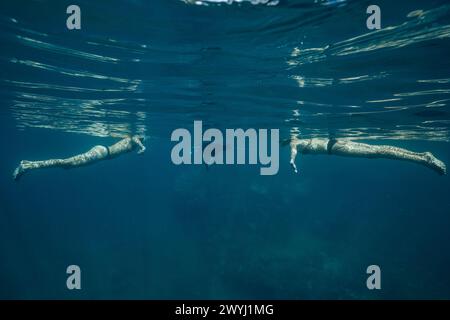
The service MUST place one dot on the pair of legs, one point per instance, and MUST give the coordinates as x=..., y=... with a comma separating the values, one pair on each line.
x=355, y=149
x=96, y=154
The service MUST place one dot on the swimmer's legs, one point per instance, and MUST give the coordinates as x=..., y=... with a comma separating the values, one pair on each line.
x=355, y=149
x=25, y=166
x=95, y=154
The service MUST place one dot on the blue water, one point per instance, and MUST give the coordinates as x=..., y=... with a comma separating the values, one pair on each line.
x=141, y=227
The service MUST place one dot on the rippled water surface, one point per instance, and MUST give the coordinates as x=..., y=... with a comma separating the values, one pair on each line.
x=140, y=227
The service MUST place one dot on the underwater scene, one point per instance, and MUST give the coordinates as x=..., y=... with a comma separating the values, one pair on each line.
x=120, y=165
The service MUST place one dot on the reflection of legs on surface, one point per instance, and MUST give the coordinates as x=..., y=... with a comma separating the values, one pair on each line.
x=95, y=154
